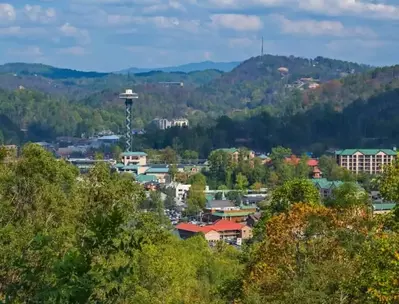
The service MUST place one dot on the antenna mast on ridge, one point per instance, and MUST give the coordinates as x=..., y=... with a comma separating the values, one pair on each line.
x=261, y=50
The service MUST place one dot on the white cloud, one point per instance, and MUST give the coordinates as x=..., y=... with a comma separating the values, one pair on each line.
x=160, y=22
x=321, y=28
x=351, y=7
x=38, y=14
x=171, y=4
x=237, y=22
x=82, y=36
x=361, y=8
x=7, y=13
x=163, y=22
x=74, y=50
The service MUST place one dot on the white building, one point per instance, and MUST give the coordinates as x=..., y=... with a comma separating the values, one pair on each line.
x=180, y=122
x=163, y=123
x=365, y=160
x=181, y=191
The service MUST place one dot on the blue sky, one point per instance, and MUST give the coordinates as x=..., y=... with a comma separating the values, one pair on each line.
x=109, y=35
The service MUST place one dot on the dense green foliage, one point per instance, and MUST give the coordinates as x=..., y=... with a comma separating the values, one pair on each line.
x=371, y=123
x=66, y=238
x=70, y=240
x=44, y=117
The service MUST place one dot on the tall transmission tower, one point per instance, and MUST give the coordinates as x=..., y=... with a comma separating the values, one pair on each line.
x=128, y=96
x=261, y=50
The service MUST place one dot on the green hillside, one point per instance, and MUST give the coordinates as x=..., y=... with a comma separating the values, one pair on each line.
x=46, y=71
x=261, y=94
x=269, y=79
x=370, y=123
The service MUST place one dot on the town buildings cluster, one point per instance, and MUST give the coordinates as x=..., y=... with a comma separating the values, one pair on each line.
x=223, y=219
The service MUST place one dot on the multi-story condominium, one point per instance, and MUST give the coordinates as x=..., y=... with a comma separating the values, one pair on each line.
x=365, y=160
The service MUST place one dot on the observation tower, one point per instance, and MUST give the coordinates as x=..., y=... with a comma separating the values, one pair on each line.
x=128, y=96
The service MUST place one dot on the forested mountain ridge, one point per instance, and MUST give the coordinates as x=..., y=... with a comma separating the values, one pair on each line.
x=254, y=83
x=46, y=71
x=257, y=81
x=268, y=79
x=341, y=92
x=83, y=85
x=96, y=105
x=187, y=68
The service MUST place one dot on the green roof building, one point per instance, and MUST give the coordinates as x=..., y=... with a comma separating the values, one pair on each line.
x=325, y=186
x=365, y=160
x=379, y=208
x=142, y=179
x=157, y=170
x=134, y=154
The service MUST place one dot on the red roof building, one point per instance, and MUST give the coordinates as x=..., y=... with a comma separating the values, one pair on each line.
x=295, y=161
x=219, y=230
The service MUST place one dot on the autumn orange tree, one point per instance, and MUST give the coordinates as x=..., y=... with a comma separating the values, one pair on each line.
x=307, y=256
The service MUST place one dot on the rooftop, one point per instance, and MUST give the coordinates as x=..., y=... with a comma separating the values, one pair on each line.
x=134, y=154
x=229, y=150
x=384, y=206
x=130, y=167
x=323, y=183
x=347, y=152
x=295, y=161
x=109, y=137
x=219, y=204
x=220, y=225
x=141, y=178
x=157, y=170
x=232, y=214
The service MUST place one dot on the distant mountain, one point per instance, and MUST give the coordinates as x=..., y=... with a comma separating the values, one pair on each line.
x=187, y=68
x=269, y=80
x=47, y=71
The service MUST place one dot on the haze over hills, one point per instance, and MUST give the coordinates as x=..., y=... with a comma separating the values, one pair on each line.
x=187, y=68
